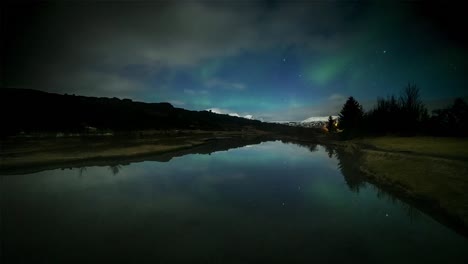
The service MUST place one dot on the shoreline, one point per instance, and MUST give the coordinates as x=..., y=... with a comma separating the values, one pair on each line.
x=31, y=154
x=435, y=184
x=433, y=181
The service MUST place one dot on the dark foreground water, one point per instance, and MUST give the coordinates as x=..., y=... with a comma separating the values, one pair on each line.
x=271, y=202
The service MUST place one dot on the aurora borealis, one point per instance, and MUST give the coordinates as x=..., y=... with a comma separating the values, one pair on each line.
x=275, y=60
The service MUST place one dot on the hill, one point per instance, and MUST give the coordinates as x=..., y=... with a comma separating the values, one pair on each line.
x=32, y=111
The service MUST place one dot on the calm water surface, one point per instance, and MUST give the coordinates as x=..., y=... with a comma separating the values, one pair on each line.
x=272, y=202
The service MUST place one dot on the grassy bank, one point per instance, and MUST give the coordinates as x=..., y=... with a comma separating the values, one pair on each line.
x=433, y=170
x=451, y=148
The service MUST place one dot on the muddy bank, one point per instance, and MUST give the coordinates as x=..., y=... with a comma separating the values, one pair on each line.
x=28, y=155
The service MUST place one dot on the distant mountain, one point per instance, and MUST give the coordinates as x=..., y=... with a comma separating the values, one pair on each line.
x=27, y=111
x=311, y=122
x=317, y=119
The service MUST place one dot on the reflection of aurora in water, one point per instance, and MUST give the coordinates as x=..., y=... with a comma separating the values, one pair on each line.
x=273, y=201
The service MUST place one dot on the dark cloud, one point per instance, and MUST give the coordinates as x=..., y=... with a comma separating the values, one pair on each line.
x=159, y=50
x=76, y=38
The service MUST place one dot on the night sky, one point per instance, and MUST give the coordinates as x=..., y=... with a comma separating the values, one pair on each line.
x=271, y=59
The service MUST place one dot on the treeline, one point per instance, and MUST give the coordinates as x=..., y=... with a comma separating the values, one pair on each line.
x=403, y=115
x=31, y=111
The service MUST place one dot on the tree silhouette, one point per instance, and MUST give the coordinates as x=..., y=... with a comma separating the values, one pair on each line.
x=349, y=162
x=406, y=115
x=330, y=150
x=115, y=169
x=350, y=117
x=331, y=125
x=412, y=110
x=451, y=121
x=384, y=117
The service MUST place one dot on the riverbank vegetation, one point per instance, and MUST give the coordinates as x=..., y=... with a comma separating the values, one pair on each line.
x=421, y=156
x=405, y=115
x=428, y=170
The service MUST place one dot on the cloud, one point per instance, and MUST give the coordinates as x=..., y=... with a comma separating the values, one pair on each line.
x=195, y=92
x=189, y=91
x=139, y=49
x=160, y=37
x=177, y=102
x=218, y=83
x=337, y=98
x=98, y=84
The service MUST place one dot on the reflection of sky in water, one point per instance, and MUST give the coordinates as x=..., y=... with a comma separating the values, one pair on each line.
x=271, y=200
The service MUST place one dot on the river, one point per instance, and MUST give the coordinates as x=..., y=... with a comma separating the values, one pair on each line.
x=273, y=201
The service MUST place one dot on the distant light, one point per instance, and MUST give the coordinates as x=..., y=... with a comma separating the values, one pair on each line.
x=384, y=51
